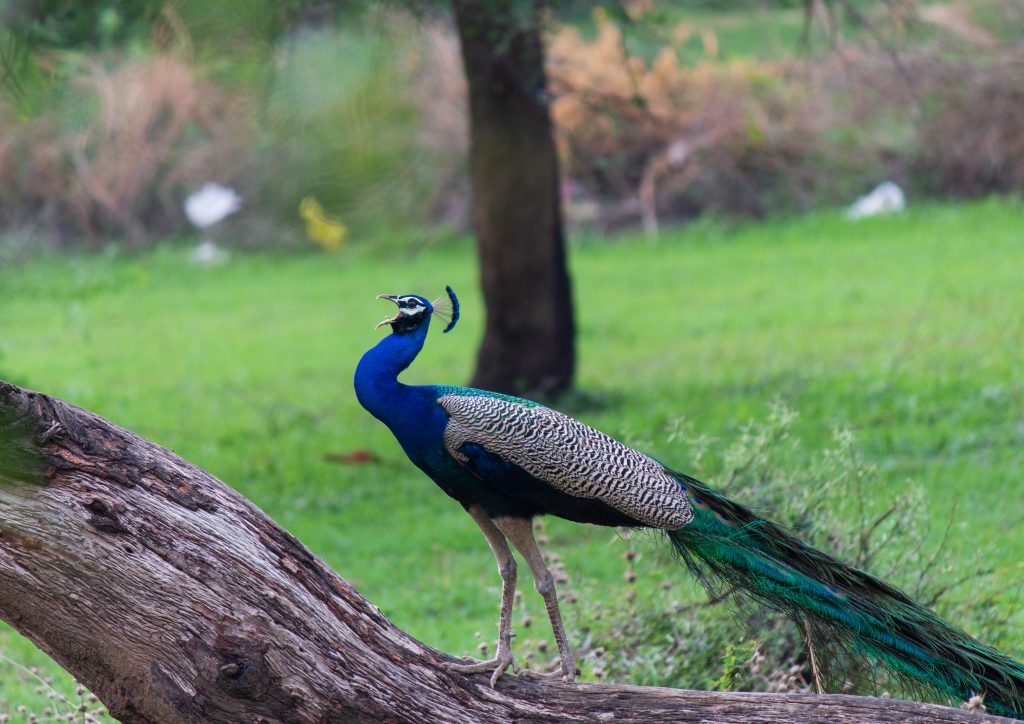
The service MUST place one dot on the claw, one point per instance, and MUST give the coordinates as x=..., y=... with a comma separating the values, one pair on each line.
x=500, y=669
x=497, y=666
x=472, y=668
x=563, y=674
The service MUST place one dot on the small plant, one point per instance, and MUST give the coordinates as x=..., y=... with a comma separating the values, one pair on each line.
x=82, y=706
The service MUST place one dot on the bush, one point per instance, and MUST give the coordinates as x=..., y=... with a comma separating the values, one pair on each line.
x=368, y=115
x=971, y=132
x=114, y=143
x=121, y=145
x=646, y=137
x=710, y=137
x=654, y=140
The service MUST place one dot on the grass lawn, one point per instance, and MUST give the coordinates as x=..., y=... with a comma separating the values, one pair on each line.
x=908, y=329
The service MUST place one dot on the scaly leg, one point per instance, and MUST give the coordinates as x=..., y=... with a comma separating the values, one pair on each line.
x=520, y=532
x=507, y=568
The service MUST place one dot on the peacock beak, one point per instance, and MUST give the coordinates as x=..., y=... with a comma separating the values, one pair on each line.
x=389, y=320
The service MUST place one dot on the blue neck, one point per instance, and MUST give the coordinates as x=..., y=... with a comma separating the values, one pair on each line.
x=377, y=385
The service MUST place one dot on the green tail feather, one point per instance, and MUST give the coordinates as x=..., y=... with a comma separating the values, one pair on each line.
x=727, y=543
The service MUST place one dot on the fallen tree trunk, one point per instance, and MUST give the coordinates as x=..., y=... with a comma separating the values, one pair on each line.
x=174, y=599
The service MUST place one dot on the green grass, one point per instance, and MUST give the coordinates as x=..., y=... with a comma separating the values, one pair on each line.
x=907, y=329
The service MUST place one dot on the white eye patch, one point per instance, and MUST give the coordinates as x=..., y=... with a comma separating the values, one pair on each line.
x=410, y=305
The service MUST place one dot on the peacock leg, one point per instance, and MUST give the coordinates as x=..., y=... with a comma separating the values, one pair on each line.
x=507, y=569
x=520, y=532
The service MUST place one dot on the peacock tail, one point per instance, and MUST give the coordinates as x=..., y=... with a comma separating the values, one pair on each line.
x=726, y=543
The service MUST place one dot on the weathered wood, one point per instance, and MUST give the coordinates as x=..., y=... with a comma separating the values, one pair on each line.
x=176, y=600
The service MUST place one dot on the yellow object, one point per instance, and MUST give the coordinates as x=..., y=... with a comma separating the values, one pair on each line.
x=322, y=229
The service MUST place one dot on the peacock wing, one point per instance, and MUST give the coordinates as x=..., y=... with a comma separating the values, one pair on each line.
x=566, y=454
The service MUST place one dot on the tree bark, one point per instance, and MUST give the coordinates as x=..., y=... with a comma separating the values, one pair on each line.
x=529, y=338
x=176, y=600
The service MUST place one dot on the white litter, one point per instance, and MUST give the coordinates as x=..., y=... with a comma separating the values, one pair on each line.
x=210, y=204
x=886, y=198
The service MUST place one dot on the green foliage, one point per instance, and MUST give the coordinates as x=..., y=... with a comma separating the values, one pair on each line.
x=905, y=329
x=734, y=661
x=78, y=23
x=97, y=24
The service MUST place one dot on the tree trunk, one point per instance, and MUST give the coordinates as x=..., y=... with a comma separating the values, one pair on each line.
x=176, y=600
x=528, y=344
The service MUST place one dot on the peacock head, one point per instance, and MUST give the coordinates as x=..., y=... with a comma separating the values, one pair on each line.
x=414, y=311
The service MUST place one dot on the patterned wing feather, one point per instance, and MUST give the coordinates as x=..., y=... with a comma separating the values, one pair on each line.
x=567, y=455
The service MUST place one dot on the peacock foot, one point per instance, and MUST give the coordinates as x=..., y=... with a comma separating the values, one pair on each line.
x=497, y=666
x=566, y=673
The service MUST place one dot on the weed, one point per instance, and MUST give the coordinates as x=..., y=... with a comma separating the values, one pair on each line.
x=81, y=707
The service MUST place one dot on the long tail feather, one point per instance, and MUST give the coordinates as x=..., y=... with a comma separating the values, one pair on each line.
x=727, y=543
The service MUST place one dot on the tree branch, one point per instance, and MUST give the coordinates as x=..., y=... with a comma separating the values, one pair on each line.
x=174, y=599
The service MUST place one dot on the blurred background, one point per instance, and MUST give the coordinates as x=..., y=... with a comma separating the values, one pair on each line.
x=794, y=235
x=115, y=112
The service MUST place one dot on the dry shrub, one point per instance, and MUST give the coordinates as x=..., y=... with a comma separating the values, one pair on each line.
x=654, y=139
x=640, y=139
x=650, y=140
x=123, y=146
x=658, y=139
x=33, y=166
x=971, y=132
x=737, y=136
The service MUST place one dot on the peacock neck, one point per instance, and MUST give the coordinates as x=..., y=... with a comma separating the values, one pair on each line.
x=376, y=381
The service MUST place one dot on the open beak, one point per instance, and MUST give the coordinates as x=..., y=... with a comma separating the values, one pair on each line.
x=389, y=320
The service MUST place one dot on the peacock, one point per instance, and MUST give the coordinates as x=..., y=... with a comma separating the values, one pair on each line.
x=507, y=460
